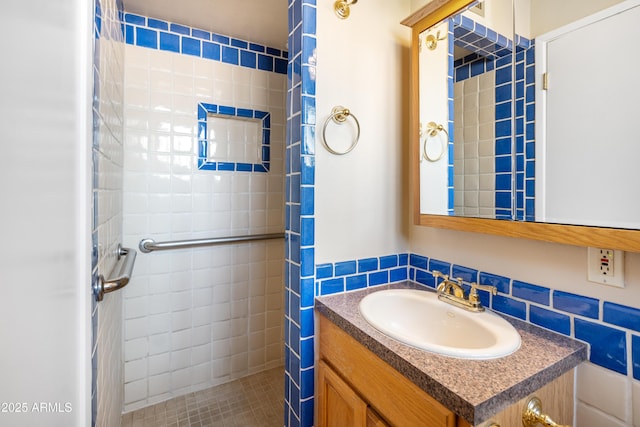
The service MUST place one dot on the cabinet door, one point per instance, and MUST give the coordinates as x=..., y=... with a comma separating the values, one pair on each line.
x=338, y=404
x=394, y=397
x=374, y=420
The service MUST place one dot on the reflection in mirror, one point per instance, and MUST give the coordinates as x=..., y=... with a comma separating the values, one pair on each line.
x=468, y=80
x=483, y=159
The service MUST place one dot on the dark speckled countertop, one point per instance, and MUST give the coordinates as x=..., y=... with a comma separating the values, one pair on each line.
x=473, y=389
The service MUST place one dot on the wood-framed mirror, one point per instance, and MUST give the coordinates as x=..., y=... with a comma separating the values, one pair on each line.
x=427, y=31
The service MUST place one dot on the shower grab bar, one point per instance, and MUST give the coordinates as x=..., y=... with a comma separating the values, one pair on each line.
x=150, y=245
x=120, y=275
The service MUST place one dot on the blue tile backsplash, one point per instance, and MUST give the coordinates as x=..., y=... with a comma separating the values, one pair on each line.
x=608, y=346
x=350, y=275
x=608, y=332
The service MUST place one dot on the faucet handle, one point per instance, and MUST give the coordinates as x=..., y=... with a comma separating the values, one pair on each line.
x=488, y=288
x=473, y=294
x=436, y=273
x=444, y=277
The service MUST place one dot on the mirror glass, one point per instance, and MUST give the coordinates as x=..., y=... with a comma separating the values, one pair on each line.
x=545, y=134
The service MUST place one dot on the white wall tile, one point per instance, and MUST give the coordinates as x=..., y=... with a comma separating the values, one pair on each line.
x=603, y=390
x=587, y=416
x=159, y=344
x=135, y=391
x=635, y=403
x=159, y=384
x=190, y=291
x=159, y=364
x=201, y=353
x=135, y=370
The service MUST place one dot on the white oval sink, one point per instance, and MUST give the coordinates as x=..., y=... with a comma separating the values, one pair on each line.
x=420, y=319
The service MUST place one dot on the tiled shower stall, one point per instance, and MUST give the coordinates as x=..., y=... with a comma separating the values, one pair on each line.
x=200, y=317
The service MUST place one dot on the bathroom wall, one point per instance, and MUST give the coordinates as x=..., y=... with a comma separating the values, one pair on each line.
x=45, y=165
x=605, y=397
x=195, y=318
x=108, y=155
x=358, y=194
x=572, y=306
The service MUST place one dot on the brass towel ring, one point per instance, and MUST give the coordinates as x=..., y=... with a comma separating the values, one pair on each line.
x=432, y=131
x=339, y=115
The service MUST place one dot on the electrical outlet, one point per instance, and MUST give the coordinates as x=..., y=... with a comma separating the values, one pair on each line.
x=606, y=266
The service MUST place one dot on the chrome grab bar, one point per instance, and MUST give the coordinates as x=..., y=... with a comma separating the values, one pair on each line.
x=121, y=274
x=150, y=245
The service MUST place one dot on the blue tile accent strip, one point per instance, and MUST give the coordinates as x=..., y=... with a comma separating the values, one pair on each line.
x=530, y=292
x=551, y=309
x=635, y=356
x=557, y=322
x=464, y=273
x=616, y=314
x=357, y=274
x=441, y=266
x=510, y=306
x=608, y=345
x=482, y=41
x=204, y=110
x=302, y=276
x=158, y=34
x=502, y=283
x=576, y=304
x=345, y=268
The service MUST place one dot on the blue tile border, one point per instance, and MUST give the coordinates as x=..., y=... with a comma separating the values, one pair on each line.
x=635, y=356
x=351, y=275
x=205, y=110
x=621, y=315
x=608, y=346
x=531, y=292
x=300, y=268
x=172, y=37
x=576, y=304
x=573, y=315
x=557, y=311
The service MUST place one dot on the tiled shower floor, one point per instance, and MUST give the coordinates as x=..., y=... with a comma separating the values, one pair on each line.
x=253, y=401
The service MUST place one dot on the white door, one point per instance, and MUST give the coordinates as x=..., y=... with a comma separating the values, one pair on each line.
x=592, y=79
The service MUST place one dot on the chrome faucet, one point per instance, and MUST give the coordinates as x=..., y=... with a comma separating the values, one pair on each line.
x=452, y=292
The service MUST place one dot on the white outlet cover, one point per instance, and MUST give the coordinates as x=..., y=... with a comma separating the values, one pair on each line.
x=615, y=277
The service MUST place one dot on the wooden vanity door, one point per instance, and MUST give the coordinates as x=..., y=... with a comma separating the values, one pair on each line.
x=339, y=405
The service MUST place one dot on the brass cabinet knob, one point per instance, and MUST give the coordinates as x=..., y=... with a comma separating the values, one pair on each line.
x=532, y=415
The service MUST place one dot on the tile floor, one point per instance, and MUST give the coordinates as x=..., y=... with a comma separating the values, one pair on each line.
x=253, y=401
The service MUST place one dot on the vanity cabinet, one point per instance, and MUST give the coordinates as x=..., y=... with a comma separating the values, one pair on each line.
x=370, y=384
x=357, y=388
x=341, y=405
